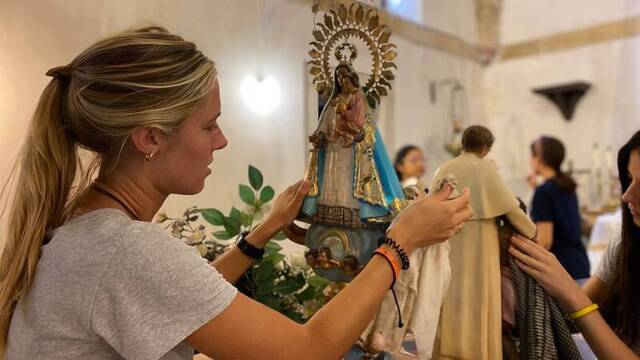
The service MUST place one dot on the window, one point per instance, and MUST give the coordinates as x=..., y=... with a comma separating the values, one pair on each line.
x=408, y=9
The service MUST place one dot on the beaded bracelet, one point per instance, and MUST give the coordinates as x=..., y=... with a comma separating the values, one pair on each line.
x=386, y=240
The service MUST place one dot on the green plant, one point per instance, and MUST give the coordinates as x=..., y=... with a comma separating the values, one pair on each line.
x=285, y=283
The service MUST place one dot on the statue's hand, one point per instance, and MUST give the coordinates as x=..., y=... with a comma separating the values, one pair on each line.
x=430, y=220
x=318, y=139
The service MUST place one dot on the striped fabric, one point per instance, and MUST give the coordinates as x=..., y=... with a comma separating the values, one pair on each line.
x=542, y=329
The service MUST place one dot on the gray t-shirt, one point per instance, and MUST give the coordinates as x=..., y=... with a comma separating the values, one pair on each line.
x=605, y=271
x=607, y=266
x=108, y=287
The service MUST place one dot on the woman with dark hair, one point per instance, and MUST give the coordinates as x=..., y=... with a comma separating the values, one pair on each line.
x=615, y=286
x=409, y=164
x=555, y=208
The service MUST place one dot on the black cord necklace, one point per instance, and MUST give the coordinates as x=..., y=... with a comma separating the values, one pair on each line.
x=110, y=195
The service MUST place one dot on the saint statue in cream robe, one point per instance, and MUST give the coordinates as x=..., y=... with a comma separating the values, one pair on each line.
x=471, y=317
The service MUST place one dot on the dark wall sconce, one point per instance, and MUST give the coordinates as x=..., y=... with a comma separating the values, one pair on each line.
x=565, y=96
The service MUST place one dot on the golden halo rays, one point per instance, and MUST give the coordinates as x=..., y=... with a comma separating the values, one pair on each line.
x=338, y=27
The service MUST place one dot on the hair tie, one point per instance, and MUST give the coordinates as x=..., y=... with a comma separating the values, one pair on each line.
x=59, y=72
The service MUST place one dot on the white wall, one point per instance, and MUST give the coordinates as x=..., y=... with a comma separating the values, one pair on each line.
x=608, y=114
x=453, y=17
x=525, y=19
x=40, y=34
x=417, y=120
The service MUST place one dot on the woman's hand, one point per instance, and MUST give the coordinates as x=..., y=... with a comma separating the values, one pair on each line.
x=431, y=219
x=286, y=206
x=545, y=268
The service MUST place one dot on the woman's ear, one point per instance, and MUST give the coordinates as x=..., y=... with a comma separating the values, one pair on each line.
x=146, y=139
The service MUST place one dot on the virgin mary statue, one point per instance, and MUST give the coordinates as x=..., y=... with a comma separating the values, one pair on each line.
x=355, y=192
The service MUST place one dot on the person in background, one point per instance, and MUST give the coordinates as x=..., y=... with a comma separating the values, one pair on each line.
x=410, y=165
x=615, y=286
x=554, y=208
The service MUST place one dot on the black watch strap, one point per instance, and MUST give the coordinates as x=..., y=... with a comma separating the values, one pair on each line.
x=248, y=249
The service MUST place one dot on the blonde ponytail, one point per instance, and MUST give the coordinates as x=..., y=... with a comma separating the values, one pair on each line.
x=144, y=77
x=47, y=169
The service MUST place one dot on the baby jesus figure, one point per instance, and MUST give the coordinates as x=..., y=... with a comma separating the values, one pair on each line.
x=350, y=111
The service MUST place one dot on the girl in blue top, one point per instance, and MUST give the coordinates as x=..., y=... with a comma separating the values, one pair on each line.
x=555, y=208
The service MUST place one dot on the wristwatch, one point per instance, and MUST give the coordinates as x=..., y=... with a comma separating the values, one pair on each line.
x=248, y=249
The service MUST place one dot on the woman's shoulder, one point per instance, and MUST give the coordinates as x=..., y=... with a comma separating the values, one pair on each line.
x=126, y=245
x=112, y=228
x=607, y=266
x=547, y=186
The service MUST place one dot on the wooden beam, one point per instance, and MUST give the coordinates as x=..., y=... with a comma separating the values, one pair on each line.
x=609, y=31
x=488, y=22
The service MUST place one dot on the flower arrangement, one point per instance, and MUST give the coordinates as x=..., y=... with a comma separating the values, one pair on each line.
x=285, y=283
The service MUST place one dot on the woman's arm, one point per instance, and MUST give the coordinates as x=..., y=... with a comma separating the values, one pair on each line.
x=233, y=263
x=547, y=270
x=249, y=330
x=544, y=236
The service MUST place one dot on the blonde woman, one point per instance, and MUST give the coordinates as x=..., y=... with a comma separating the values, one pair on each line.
x=84, y=275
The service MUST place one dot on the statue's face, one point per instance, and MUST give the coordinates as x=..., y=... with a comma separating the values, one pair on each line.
x=322, y=256
x=343, y=79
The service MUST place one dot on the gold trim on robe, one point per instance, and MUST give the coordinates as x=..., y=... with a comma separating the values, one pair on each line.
x=367, y=185
x=312, y=173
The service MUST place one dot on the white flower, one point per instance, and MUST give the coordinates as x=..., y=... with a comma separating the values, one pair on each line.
x=202, y=249
x=279, y=266
x=196, y=237
x=297, y=260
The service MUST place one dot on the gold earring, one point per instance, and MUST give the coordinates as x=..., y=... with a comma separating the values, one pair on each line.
x=149, y=156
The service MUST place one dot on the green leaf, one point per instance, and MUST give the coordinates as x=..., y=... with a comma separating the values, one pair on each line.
x=247, y=195
x=235, y=214
x=246, y=219
x=308, y=294
x=274, y=258
x=232, y=226
x=318, y=282
x=272, y=248
x=294, y=315
x=271, y=301
x=222, y=235
x=279, y=236
x=265, y=288
x=255, y=178
x=288, y=286
x=264, y=271
x=212, y=216
x=266, y=194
